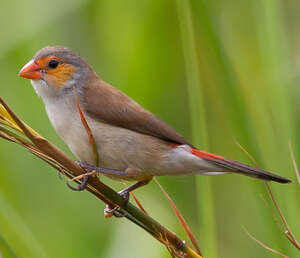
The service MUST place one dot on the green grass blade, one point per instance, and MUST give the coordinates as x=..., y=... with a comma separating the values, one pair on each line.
x=207, y=229
x=16, y=232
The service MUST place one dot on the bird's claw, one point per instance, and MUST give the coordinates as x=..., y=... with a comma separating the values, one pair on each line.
x=59, y=175
x=115, y=211
x=125, y=194
x=84, y=177
x=81, y=186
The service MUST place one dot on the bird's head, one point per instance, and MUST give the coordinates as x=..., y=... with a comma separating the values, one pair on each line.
x=54, y=69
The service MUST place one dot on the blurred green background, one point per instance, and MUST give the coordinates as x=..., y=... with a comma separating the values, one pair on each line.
x=232, y=76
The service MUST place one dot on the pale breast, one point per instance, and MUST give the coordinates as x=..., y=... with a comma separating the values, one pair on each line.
x=66, y=121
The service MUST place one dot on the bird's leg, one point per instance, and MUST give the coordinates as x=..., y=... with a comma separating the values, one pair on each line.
x=125, y=192
x=101, y=170
x=89, y=168
x=109, y=211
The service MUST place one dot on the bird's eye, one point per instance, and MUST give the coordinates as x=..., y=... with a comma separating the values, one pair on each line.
x=53, y=64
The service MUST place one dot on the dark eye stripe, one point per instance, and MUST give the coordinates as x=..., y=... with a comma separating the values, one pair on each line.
x=53, y=64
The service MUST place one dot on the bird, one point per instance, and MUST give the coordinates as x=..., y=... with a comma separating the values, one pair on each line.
x=132, y=143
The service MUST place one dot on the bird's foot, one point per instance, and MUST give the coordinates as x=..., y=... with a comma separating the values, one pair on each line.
x=115, y=211
x=60, y=172
x=112, y=211
x=84, y=177
x=125, y=194
x=109, y=211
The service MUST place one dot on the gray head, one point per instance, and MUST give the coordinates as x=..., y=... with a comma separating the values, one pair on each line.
x=56, y=68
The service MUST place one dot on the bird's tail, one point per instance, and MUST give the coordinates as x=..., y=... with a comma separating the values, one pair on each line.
x=234, y=166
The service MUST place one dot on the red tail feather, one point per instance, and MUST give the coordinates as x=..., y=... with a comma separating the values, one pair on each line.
x=235, y=166
x=205, y=155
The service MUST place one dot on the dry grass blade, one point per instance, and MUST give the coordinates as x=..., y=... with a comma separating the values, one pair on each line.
x=139, y=203
x=247, y=153
x=49, y=153
x=288, y=233
x=290, y=236
x=10, y=133
x=87, y=129
x=6, y=137
x=5, y=115
x=263, y=245
x=294, y=162
x=7, y=122
x=10, y=121
x=181, y=219
x=92, y=173
x=10, y=136
x=43, y=145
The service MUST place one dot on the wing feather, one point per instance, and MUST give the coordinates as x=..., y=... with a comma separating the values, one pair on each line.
x=111, y=106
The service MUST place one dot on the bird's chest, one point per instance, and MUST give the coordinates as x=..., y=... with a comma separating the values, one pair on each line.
x=66, y=121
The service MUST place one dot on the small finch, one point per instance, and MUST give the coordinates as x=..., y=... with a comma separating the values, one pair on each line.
x=132, y=143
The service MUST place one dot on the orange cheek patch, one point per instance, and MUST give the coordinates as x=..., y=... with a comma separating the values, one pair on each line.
x=59, y=76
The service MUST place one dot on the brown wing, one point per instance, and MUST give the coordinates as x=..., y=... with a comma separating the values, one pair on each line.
x=111, y=106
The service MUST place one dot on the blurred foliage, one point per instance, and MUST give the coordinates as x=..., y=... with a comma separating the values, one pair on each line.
x=247, y=58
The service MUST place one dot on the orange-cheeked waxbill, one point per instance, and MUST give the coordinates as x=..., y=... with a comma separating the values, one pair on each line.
x=133, y=144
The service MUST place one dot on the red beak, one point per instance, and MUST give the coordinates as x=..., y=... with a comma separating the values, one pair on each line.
x=31, y=71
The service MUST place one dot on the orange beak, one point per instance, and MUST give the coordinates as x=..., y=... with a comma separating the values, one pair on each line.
x=31, y=71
